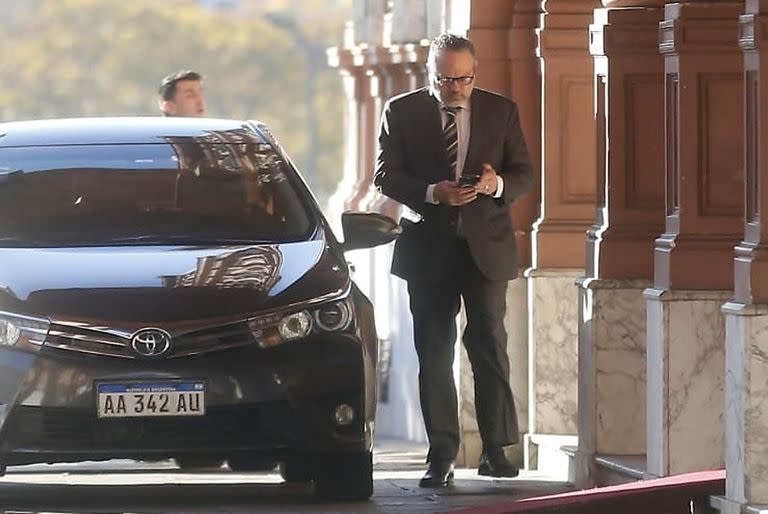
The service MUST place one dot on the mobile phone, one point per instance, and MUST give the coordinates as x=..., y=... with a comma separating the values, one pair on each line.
x=468, y=180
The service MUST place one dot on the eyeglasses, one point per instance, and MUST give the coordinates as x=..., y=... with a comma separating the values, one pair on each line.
x=462, y=81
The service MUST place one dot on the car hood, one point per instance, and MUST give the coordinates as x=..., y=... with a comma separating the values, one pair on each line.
x=138, y=286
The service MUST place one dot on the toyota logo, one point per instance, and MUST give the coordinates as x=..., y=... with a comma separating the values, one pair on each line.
x=151, y=342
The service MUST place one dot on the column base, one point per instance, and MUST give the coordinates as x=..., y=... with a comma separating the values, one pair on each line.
x=612, y=370
x=552, y=455
x=553, y=360
x=685, y=381
x=725, y=506
x=746, y=391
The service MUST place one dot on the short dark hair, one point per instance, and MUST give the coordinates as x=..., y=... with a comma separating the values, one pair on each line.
x=450, y=42
x=167, y=88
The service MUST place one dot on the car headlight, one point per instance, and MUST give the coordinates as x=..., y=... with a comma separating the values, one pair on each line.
x=295, y=326
x=9, y=333
x=333, y=316
x=22, y=331
x=271, y=330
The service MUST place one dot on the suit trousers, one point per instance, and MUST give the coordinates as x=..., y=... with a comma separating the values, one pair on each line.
x=435, y=302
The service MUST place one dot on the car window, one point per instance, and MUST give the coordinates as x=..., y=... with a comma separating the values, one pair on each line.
x=185, y=190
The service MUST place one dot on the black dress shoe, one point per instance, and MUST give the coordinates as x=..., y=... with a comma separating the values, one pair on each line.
x=495, y=464
x=439, y=474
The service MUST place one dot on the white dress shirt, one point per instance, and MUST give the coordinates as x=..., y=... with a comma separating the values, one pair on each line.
x=463, y=118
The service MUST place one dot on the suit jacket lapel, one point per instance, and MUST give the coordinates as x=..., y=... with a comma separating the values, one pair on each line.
x=432, y=135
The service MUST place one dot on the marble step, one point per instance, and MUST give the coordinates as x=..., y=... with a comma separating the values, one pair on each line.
x=620, y=469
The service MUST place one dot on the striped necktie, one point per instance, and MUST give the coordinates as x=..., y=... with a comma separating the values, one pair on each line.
x=451, y=138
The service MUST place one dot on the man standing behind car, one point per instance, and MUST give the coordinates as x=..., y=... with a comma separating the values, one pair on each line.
x=456, y=156
x=181, y=94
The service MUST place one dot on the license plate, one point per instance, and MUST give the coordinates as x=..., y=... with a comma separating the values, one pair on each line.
x=149, y=399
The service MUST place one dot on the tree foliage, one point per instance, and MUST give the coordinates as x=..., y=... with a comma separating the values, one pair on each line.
x=261, y=59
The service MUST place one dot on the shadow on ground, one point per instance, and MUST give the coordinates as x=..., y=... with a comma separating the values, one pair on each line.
x=128, y=487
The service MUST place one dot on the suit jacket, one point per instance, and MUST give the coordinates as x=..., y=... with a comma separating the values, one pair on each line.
x=412, y=155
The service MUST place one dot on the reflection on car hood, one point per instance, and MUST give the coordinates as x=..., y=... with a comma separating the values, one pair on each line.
x=165, y=284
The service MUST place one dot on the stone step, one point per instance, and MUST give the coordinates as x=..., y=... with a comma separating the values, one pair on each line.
x=620, y=469
x=719, y=504
x=545, y=453
x=611, y=469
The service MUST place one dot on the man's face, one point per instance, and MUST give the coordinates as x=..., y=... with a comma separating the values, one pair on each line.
x=188, y=100
x=453, y=64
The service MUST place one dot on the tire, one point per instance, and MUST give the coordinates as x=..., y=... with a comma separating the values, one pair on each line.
x=297, y=469
x=198, y=462
x=345, y=477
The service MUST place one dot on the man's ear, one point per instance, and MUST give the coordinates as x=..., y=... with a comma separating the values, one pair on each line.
x=168, y=107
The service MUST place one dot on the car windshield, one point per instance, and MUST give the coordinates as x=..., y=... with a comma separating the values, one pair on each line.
x=182, y=191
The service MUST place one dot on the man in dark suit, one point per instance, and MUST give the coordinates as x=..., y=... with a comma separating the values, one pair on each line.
x=456, y=157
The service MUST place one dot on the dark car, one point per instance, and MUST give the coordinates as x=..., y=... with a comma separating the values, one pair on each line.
x=170, y=289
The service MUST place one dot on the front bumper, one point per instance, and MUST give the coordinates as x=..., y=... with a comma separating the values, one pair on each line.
x=268, y=402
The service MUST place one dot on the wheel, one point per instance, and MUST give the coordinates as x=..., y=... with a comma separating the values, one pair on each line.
x=297, y=469
x=345, y=477
x=198, y=462
x=250, y=464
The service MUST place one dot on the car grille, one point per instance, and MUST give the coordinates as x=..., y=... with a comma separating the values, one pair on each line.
x=95, y=341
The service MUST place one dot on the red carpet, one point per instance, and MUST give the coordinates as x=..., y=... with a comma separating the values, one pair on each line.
x=668, y=495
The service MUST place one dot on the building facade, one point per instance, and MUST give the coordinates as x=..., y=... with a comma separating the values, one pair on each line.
x=638, y=337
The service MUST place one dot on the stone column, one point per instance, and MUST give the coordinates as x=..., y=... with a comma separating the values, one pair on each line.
x=693, y=259
x=398, y=68
x=373, y=70
x=525, y=86
x=356, y=87
x=505, y=38
x=567, y=210
x=401, y=68
x=746, y=392
x=629, y=76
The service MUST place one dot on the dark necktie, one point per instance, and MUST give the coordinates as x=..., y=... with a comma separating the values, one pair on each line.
x=451, y=138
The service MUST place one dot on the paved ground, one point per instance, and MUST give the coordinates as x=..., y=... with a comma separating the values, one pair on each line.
x=127, y=487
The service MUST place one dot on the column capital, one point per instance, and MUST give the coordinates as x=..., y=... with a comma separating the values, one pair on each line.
x=349, y=58
x=361, y=57
x=563, y=25
x=526, y=14
x=625, y=31
x=709, y=27
x=753, y=30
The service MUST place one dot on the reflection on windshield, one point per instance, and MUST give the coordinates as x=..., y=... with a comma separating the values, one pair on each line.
x=224, y=186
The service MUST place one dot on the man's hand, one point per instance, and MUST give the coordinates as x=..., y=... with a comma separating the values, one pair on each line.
x=451, y=193
x=488, y=183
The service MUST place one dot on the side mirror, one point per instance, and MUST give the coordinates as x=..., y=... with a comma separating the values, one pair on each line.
x=367, y=229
